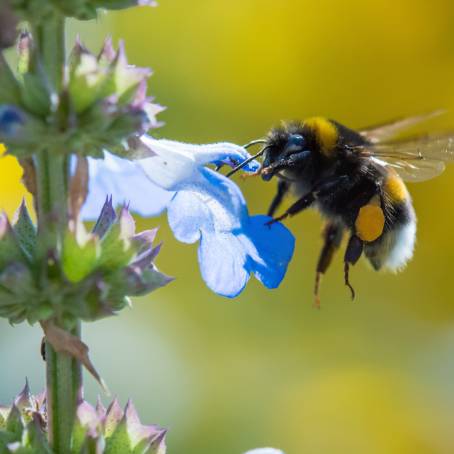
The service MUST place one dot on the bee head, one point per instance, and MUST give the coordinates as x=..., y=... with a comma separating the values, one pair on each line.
x=282, y=143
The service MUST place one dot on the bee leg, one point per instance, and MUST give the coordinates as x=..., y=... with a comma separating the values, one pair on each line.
x=300, y=205
x=324, y=188
x=332, y=235
x=352, y=254
x=282, y=189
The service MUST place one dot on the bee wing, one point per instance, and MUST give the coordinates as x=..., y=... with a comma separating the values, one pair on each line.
x=385, y=131
x=416, y=159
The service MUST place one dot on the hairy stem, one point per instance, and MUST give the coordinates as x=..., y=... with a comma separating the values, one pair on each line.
x=64, y=380
x=63, y=372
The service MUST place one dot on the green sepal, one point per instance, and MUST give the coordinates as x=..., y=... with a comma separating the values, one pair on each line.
x=119, y=442
x=35, y=94
x=35, y=441
x=14, y=423
x=78, y=261
x=88, y=83
x=116, y=252
x=142, y=282
x=10, y=249
x=9, y=87
x=25, y=231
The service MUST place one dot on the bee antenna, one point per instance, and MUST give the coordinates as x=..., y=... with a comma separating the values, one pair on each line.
x=254, y=142
x=247, y=161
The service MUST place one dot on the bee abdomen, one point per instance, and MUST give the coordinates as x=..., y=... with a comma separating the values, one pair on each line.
x=394, y=248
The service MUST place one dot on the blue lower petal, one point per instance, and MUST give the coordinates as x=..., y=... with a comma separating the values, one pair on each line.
x=269, y=249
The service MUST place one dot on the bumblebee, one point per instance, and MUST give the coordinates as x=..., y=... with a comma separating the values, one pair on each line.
x=356, y=181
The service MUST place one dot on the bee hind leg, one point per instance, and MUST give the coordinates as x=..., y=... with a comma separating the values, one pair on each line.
x=352, y=254
x=332, y=235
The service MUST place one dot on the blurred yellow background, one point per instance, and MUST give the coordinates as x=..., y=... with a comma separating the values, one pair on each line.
x=372, y=376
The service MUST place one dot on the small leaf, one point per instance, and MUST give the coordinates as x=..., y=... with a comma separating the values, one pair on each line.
x=64, y=342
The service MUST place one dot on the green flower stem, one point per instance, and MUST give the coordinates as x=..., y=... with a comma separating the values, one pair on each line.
x=49, y=38
x=64, y=384
x=63, y=374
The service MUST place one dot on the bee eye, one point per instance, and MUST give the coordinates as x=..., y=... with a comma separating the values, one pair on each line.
x=296, y=140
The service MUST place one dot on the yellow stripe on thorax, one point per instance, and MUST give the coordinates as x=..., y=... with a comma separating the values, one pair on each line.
x=395, y=188
x=325, y=132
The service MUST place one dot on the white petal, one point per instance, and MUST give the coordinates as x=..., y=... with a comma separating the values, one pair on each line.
x=169, y=164
x=172, y=163
x=125, y=181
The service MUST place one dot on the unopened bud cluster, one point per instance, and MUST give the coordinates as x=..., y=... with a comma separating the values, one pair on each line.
x=23, y=428
x=102, y=105
x=92, y=276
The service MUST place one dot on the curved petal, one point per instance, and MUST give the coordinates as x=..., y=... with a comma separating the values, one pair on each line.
x=222, y=263
x=171, y=164
x=269, y=249
x=168, y=164
x=125, y=181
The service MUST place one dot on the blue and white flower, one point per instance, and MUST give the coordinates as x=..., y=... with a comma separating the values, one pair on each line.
x=202, y=205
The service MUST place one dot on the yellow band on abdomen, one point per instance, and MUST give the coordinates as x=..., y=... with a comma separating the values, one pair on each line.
x=395, y=188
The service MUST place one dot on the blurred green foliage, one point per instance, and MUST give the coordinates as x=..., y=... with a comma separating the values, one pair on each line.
x=374, y=376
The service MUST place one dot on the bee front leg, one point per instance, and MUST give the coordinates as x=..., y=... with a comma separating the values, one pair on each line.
x=332, y=235
x=352, y=254
x=300, y=205
x=282, y=189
